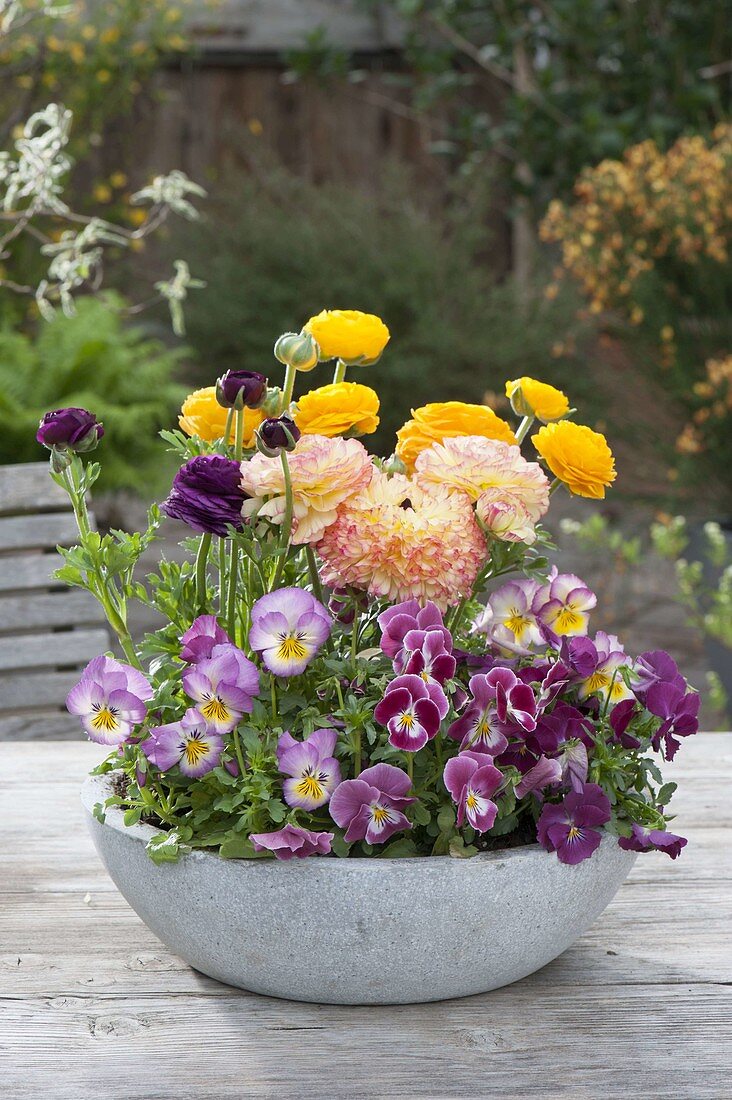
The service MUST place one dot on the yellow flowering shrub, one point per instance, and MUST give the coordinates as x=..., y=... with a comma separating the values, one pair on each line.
x=348, y=334
x=443, y=420
x=710, y=424
x=578, y=456
x=337, y=409
x=201, y=415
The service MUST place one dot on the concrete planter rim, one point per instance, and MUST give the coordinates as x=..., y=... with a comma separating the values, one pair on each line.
x=97, y=788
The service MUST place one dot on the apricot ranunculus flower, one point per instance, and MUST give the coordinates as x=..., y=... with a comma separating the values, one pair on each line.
x=530, y=397
x=202, y=415
x=399, y=541
x=348, y=334
x=443, y=420
x=339, y=408
x=578, y=456
x=324, y=472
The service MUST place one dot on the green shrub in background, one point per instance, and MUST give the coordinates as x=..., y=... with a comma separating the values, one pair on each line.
x=275, y=249
x=96, y=361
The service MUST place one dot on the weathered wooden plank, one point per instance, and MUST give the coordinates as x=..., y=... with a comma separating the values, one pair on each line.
x=39, y=689
x=41, y=725
x=51, y=650
x=69, y=607
x=38, y=531
x=27, y=487
x=23, y=572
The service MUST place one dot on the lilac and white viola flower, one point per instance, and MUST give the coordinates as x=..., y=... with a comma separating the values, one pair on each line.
x=646, y=840
x=110, y=700
x=472, y=779
x=509, y=618
x=605, y=680
x=396, y=622
x=292, y=842
x=411, y=710
x=545, y=773
x=564, y=604
x=370, y=807
x=223, y=686
x=199, y=640
x=313, y=770
x=288, y=628
x=191, y=744
x=426, y=654
x=478, y=727
x=571, y=829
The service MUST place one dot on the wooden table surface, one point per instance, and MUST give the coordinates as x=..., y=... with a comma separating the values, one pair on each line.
x=93, y=1006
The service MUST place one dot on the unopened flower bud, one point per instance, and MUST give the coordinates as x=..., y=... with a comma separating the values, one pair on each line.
x=298, y=350
x=276, y=435
x=239, y=388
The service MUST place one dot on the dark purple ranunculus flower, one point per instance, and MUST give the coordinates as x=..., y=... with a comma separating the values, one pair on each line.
x=207, y=495
x=277, y=434
x=679, y=710
x=72, y=428
x=644, y=840
x=238, y=388
x=571, y=828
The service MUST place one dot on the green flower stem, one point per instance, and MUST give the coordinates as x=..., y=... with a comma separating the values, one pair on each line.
x=410, y=766
x=201, y=562
x=357, y=753
x=314, y=575
x=340, y=371
x=286, y=528
x=523, y=428
x=354, y=635
x=457, y=616
x=227, y=429
x=273, y=697
x=222, y=578
x=72, y=477
x=239, y=753
x=231, y=600
x=239, y=445
x=288, y=388
x=555, y=485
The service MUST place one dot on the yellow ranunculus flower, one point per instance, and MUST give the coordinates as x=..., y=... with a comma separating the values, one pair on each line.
x=530, y=397
x=202, y=415
x=443, y=420
x=578, y=456
x=339, y=408
x=349, y=335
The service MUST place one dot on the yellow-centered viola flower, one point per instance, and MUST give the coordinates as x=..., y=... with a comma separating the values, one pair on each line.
x=578, y=456
x=348, y=334
x=442, y=420
x=337, y=409
x=202, y=415
x=530, y=397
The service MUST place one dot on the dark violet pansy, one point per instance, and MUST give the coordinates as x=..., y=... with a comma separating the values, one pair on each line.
x=370, y=807
x=73, y=429
x=679, y=710
x=207, y=495
x=571, y=829
x=239, y=388
x=292, y=842
x=645, y=840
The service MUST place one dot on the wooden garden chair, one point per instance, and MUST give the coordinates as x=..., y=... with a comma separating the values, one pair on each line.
x=47, y=631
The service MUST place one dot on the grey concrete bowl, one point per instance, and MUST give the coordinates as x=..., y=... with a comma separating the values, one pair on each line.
x=360, y=931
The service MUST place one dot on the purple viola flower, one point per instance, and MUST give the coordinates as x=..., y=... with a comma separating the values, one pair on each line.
x=605, y=679
x=207, y=495
x=397, y=621
x=70, y=429
x=620, y=718
x=277, y=434
x=472, y=779
x=411, y=710
x=679, y=710
x=579, y=656
x=191, y=744
x=292, y=842
x=500, y=701
x=646, y=840
x=574, y=764
x=110, y=699
x=509, y=619
x=544, y=773
x=564, y=604
x=239, y=388
x=199, y=640
x=314, y=772
x=655, y=667
x=515, y=701
x=370, y=807
x=571, y=828
x=288, y=628
x=425, y=654
x=223, y=687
